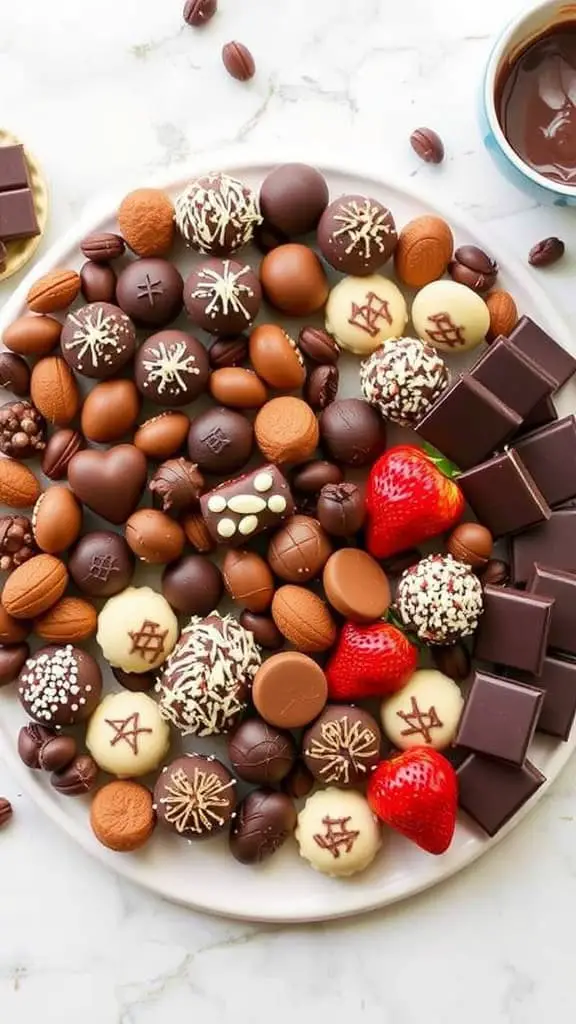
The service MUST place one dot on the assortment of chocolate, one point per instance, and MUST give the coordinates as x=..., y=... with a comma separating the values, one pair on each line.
x=204, y=448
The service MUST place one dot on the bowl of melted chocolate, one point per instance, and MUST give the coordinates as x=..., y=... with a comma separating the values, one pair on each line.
x=529, y=102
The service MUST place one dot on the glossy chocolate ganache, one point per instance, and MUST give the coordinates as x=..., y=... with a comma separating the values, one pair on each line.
x=536, y=104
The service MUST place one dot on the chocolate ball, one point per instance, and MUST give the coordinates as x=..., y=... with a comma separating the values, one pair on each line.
x=171, y=368
x=192, y=585
x=195, y=796
x=220, y=441
x=264, y=630
x=262, y=825
x=299, y=550
x=101, y=564
x=222, y=297
x=311, y=477
x=260, y=753
x=60, y=685
x=217, y=214
x=352, y=432
x=470, y=543
x=341, y=509
x=150, y=291
x=293, y=198
x=294, y=280
x=357, y=235
x=98, y=282
x=98, y=340
x=342, y=747
x=496, y=573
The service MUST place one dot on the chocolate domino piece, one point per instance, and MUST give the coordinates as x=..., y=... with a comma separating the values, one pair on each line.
x=512, y=376
x=240, y=509
x=499, y=717
x=514, y=628
x=492, y=792
x=552, y=543
x=503, y=495
x=550, y=457
x=554, y=360
x=561, y=586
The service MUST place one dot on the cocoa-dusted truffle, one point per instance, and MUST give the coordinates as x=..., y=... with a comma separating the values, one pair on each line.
x=402, y=379
x=440, y=600
x=217, y=214
x=357, y=235
x=178, y=484
x=22, y=430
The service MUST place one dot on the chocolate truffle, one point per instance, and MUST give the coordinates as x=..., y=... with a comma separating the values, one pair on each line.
x=470, y=543
x=195, y=796
x=261, y=754
x=98, y=340
x=299, y=550
x=171, y=368
x=425, y=712
x=342, y=747
x=222, y=297
x=341, y=509
x=293, y=198
x=127, y=736
x=450, y=316
x=363, y=312
x=22, y=430
x=286, y=430
x=178, y=484
x=262, y=825
x=60, y=685
x=101, y=564
x=439, y=599
x=220, y=440
x=192, y=585
x=204, y=685
x=217, y=214
x=352, y=432
x=337, y=832
x=294, y=280
x=402, y=379
x=150, y=291
x=357, y=235
x=137, y=630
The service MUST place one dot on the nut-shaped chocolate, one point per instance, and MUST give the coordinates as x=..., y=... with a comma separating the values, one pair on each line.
x=352, y=432
x=162, y=435
x=102, y=246
x=496, y=573
x=228, y=352
x=56, y=520
x=60, y=449
x=470, y=543
x=474, y=268
x=77, y=778
x=276, y=358
x=311, y=477
x=110, y=410
x=154, y=537
x=294, y=280
x=12, y=660
x=14, y=374
x=322, y=386
x=220, y=441
x=263, y=823
x=260, y=753
x=98, y=282
x=299, y=550
x=264, y=629
x=248, y=579
x=56, y=753
x=319, y=346
x=237, y=388
x=341, y=509
x=30, y=741
x=192, y=585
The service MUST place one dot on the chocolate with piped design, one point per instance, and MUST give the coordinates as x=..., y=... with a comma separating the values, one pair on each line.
x=195, y=796
x=342, y=747
x=98, y=340
x=222, y=296
x=217, y=214
x=244, y=507
x=171, y=368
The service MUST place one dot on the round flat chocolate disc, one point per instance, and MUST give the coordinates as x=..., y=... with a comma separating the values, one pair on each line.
x=289, y=690
x=356, y=586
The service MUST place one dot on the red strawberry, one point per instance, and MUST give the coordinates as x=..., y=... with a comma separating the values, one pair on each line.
x=408, y=500
x=416, y=793
x=369, y=661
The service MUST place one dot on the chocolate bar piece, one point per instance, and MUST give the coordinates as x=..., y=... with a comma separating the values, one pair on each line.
x=13, y=168
x=246, y=506
x=499, y=717
x=553, y=543
x=503, y=495
x=492, y=792
x=558, y=680
x=562, y=587
x=468, y=423
x=542, y=414
x=550, y=457
x=514, y=628
x=512, y=376
x=556, y=362
x=17, y=215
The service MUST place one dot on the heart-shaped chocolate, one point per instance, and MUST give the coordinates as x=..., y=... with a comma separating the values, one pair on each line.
x=110, y=482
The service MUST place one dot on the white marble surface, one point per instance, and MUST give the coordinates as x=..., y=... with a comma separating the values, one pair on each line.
x=117, y=90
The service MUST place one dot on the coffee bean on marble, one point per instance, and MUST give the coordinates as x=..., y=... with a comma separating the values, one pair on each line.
x=14, y=374
x=238, y=61
x=60, y=449
x=150, y=291
x=453, y=661
x=57, y=753
x=311, y=477
x=228, y=352
x=352, y=432
x=98, y=282
x=136, y=682
x=220, y=441
x=321, y=386
x=265, y=631
x=318, y=346
x=428, y=145
x=31, y=738
x=341, y=509
x=193, y=585
x=546, y=252
x=496, y=573
x=199, y=12
x=12, y=661
x=78, y=778
x=101, y=564
x=102, y=246
x=293, y=197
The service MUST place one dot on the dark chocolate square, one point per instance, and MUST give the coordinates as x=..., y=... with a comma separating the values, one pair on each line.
x=503, y=495
x=13, y=168
x=17, y=215
x=468, y=423
x=553, y=543
x=492, y=792
x=556, y=362
x=512, y=376
x=514, y=628
x=499, y=717
x=558, y=681
x=550, y=457
x=542, y=414
x=562, y=587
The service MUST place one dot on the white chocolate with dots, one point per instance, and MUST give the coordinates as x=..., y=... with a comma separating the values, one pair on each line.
x=425, y=712
x=337, y=833
x=137, y=629
x=363, y=312
x=127, y=735
x=450, y=316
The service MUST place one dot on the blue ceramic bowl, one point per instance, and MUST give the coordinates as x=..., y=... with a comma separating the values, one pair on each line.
x=524, y=28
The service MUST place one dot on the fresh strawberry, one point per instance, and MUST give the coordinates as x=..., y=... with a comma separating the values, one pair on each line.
x=408, y=500
x=416, y=794
x=370, y=661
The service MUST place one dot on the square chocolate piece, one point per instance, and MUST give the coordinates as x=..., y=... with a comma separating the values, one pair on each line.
x=492, y=792
x=514, y=629
x=553, y=543
x=17, y=215
x=503, y=495
x=550, y=457
x=242, y=508
x=558, y=680
x=562, y=587
x=512, y=376
x=556, y=362
x=542, y=414
x=499, y=717
x=13, y=168
x=468, y=423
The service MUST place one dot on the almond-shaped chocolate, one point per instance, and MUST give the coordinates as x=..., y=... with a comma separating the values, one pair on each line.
x=154, y=537
x=94, y=476
x=237, y=388
x=276, y=358
x=162, y=435
x=59, y=450
x=56, y=520
x=110, y=410
x=32, y=335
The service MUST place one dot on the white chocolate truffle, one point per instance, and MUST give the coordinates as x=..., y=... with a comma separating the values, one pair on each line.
x=337, y=832
x=450, y=316
x=425, y=712
x=127, y=735
x=137, y=629
x=363, y=312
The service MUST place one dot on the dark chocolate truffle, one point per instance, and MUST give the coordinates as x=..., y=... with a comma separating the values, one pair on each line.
x=192, y=585
x=220, y=441
x=195, y=796
x=293, y=198
x=299, y=550
x=260, y=753
x=263, y=823
x=217, y=214
x=98, y=340
x=150, y=291
x=60, y=685
x=352, y=432
x=341, y=509
x=171, y=368
x=342, y=747
x=403, y=378
x=357, y=235
x=222, y=297
x=177, y=484
x=101, y=564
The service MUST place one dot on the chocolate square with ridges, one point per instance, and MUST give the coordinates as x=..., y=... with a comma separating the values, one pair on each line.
x=503, y=495
x=550, y=457
x=514, y=629
x=562, y=587
x=492, y=792
x=499, y=717
x=512, y=376
x=553, y=543
x=556, y=362
x=242, y=508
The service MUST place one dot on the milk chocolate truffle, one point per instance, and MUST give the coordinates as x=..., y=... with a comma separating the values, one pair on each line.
x=299, y=550
x=150, y=291
x=192, y=585
x=260, y=753
x=98, y=340
x=292, y=198
x=127, y=735
x=101, y=564
x=205, y=682
x=217, y=214
x=264, y=822
x=357, y=235
x=342, y=747
x=222, y=296
x=403, y=379
x=195, y=796
x=294, y=280
x=220, y=441
x=60, y=685
x=122, y=816
x=352, y=432
x=171, y=368
x=137, y=630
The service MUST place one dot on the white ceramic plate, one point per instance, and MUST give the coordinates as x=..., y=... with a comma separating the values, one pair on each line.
x=205, y=876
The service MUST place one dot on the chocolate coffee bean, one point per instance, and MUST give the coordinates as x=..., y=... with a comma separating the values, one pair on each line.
x=78, y=778
x=60, y=449
x=311, y=477
x=265, y=631
x=5, y=811
x=14, y=374
x=496, y=573
x=57, y=753
x=341, y=509
x=102, y=246
x=198, y=12
x=238, y=61
x=31, y=739
x=318, y=346
x=98, y=282
x=546, y=252
x=453, y=661
x=12, y=660
x=228, y=352
x=322, y=386
x=428, y=145
x=473, y=267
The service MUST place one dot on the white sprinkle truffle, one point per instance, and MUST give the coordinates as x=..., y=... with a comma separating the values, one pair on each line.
x=440, y=600
x=403, y=378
